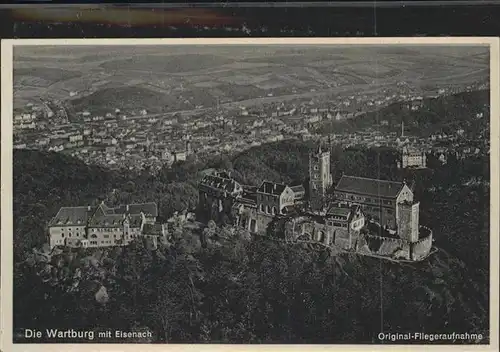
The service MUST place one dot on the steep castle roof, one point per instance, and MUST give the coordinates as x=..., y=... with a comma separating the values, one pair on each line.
x=102, y=215
x=149, y=209
x=369, y=186
x=106, y=220
x=72, y=216
x=298, y=189
x=271, y=188
x=220, y=183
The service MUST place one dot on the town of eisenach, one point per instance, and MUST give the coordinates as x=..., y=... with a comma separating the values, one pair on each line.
x=239, y=194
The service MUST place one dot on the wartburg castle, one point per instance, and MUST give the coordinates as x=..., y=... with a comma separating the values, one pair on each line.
x=367, y=216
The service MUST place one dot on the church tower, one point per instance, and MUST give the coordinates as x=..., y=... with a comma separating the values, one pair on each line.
x=320, y=177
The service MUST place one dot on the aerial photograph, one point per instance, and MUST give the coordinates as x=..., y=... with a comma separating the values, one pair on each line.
x=251, y=194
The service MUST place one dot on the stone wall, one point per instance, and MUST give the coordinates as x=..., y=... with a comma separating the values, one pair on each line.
x=383, y=246
x=307, y=229
x=255, y=222
x=213, y=207
x=422, y=247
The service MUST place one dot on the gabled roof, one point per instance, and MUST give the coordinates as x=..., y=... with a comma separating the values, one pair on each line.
x=150, y=209
x=298, y=189
x=220, y=183
x=106, y=220
x=271, y=188
x=339, y=211
x=369, y=186
x=342, y=212
x=71, y=216
x=150, y=229
x=103, y=216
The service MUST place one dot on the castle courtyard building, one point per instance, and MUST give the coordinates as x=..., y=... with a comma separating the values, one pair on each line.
x=378, y=198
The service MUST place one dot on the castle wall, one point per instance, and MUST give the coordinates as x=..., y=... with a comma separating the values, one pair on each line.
x=268, y=204
x=254, y=221
x=342, y=238
x=383, y=246
x=421, y=248
x=214, y=207
x=307, y=229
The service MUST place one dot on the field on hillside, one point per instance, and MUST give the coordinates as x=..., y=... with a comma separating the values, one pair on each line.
x=42, y=76
x=204, y=73
x=166, y=63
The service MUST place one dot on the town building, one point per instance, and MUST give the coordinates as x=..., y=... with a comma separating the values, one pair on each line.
x=101, y=226
x=412, y=158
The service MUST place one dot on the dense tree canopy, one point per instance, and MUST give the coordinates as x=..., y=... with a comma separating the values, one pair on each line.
x=444, y=114
x=217, y=285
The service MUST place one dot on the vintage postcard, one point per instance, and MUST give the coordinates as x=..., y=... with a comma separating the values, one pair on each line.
x=204, y=193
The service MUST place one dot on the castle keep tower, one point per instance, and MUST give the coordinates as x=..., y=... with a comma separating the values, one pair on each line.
x=408, y=220
x=320, y=177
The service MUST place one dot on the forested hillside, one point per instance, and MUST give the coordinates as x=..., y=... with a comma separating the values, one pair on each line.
x=240, y=290
x=443, y=114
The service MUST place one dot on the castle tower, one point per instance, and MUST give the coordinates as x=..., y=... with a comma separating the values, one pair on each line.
x=407, y=218
x=320, y=177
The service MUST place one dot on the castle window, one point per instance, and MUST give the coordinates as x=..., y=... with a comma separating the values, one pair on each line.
x=316, y=167
x=274, y=210
x=261, y=208
x=267, y=209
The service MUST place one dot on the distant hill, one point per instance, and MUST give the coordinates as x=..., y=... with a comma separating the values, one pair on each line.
x=166, y=63
x=445, y=113
x=136, y=98
x=47, y=73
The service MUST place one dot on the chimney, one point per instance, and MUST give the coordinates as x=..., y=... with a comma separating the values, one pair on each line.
x=89, y=208
x=128, y=207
